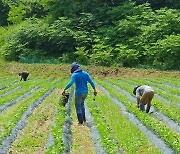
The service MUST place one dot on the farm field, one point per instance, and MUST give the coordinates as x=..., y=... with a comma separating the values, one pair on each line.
x=33, y=119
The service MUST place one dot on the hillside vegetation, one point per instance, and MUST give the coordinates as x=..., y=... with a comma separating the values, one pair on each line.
x=135, y=33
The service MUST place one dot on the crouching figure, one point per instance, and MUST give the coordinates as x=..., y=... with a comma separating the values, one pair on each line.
x=144, y=95
x=24, y=75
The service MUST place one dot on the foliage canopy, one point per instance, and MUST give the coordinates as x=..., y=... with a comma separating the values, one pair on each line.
x=100, y=32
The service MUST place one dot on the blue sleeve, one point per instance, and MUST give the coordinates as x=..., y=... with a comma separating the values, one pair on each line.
x=72, y=80
x=91, y=81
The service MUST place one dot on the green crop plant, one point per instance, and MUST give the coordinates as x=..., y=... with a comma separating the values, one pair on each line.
x=168, y=109
x=57, y=131
x=5, y=90
x=35, y=135
x=171, y=97
x=107, y=139
x=169, y=81
x=129, y=137
x=165, y=88
x=7, y=81
x=10, y=116
x=60, y=83
x=171, y=137
x=59, y=118
x=27, y=86
x=168, y=94
x=128, y=87
x=16, y=84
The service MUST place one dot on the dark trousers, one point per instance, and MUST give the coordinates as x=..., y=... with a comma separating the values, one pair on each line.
x=80, y=109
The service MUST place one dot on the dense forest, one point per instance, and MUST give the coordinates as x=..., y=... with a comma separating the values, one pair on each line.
x=133, y=33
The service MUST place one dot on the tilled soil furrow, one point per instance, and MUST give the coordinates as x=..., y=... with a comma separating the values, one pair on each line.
x=20, y=98
x=167, y=101
x=11, y=91
x=158, y=142
x=6, y=143
x=168, y=121
x=66, y=128
x=96, y=137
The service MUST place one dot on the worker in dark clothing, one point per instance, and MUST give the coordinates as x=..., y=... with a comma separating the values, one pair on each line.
x=80, y=78
x=24, y=75
x=144, y=95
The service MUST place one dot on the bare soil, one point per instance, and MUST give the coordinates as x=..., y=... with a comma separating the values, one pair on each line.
x=81, y=137
x=82, y=143
x=59, y=70
x=39, y=125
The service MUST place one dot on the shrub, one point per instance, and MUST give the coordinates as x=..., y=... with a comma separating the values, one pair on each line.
x=166, y=52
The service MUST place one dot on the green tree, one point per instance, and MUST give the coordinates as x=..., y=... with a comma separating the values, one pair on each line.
x=166, y=52
x=4, y=9
x=16, y=13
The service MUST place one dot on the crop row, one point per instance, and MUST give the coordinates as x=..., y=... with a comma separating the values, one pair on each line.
x=9, y=88
x=169, y=136
x=162, y=92
x=107, y=138
x=13, y=85
x=5, y=82
x=110, y=119
x=10, y=116
x=169, y=89
x=57, y=131
x=168, y=81
x=162, y=86
x=26, y=86
x=166, y=112
x=117, y=131
x=168, y=109
x=35, y=135
x=32, y=136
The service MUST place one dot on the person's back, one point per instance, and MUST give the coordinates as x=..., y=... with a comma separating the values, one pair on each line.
x=81, y=80
x=143, y=90
x=144, y=96
x=24, y=75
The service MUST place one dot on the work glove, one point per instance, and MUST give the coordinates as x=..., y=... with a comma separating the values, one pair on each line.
x=63, y=92
x=95, y=92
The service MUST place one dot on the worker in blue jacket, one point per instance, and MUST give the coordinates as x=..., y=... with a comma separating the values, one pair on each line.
x=80, y=78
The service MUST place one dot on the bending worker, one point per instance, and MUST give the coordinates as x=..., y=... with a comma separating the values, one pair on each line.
x=144, y=95
x=80, y=78
x=24, y=75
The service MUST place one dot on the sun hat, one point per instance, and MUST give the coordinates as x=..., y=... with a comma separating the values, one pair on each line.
x=75, y=67
x=134, y=90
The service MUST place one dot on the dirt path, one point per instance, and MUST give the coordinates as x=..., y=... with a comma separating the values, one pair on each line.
x=38, y=127
x=7, y=141
x=81, y=137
